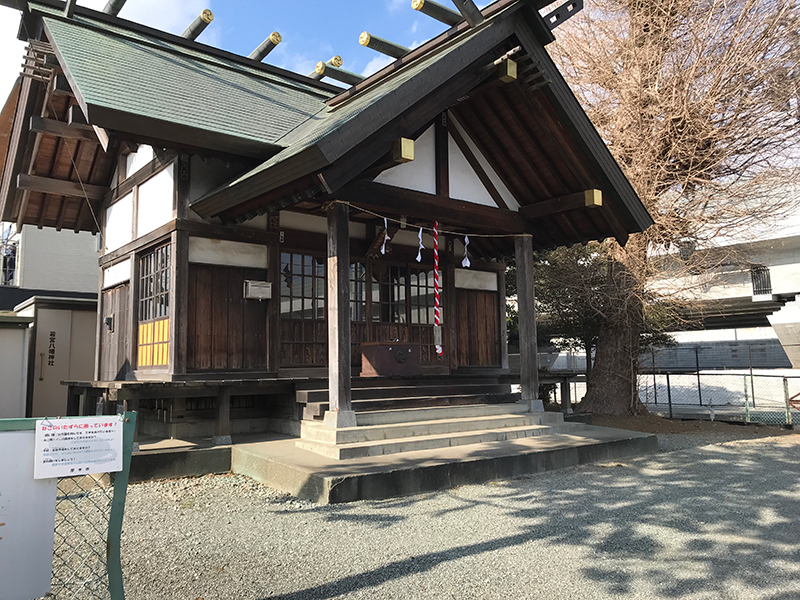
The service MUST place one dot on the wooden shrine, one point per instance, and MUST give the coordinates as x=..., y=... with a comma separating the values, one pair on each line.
x=243, y=211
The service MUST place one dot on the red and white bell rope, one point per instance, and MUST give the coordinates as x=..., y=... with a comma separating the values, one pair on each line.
x=436, y=305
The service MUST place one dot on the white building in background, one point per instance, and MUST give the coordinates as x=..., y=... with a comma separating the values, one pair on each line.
x=48, y=260
x=48, y=321
x=754, y=299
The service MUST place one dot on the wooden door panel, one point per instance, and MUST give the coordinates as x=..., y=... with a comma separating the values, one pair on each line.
x=477, y=328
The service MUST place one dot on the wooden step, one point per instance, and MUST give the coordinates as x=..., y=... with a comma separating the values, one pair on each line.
x=378, y=382
x=316, y=410
x=378, y=393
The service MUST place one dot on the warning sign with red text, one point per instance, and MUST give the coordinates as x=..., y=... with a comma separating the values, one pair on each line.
x=74, y=447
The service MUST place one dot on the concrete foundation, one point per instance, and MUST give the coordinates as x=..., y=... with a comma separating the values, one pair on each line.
x=283, y=466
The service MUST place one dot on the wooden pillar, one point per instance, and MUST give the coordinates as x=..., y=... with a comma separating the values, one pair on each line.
x=528, y=347
x=222, y=424
x=179, y=302
x=501, y=302
x=340, y=413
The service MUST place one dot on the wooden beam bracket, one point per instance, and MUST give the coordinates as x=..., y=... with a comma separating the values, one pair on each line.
x=46, y=185
x=55, y=128
x=587, y=199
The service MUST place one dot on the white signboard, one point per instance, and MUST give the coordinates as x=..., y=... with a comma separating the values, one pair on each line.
x=70, y=447
x=27, y=518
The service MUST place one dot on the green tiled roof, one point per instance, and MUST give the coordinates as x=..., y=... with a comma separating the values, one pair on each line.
x=128, y=71
x=351, y=116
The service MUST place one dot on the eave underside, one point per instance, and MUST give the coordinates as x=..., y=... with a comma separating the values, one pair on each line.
x=57, y=159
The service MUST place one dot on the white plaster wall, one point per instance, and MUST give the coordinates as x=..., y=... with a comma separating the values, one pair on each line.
x=464, y=182
x=420, y=173
x=57, y=260
x=13, y=372
x=232, y=254
x=119, y=223
x=501, y=188
x=156, y=198
x=116, y=274
x=140, y=158
x=315, y=224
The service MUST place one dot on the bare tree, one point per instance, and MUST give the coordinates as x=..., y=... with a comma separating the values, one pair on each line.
x=697, y=99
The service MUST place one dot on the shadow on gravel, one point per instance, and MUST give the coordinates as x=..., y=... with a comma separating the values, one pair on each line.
x=733, y=516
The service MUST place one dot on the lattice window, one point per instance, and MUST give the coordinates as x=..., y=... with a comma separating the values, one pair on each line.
x=388, y=293
x=358, y=292
x=421, y=296
x=302, y=287
x=154, y=285
x=303, y=326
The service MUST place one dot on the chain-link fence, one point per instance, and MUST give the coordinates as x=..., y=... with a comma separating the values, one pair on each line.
x=88, y=527
x=80, y=561
x=771, y=399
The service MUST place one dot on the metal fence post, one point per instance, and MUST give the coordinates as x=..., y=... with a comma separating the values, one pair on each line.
x=113, y=558
x=655, y=381
x=669, y=397
x=746, y=402
x=788, y=406
x=697, y=368
x=752, y=383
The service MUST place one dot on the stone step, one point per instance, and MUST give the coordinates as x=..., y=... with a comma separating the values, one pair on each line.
x=316, y=431
x=405, y=391
x=410, y=415
x=315, y=410
x=427, y=442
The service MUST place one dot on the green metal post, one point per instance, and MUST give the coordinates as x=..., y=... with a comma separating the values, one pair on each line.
x=116, y=587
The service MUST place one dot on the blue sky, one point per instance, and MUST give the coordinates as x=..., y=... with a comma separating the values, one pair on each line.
x=312, y=30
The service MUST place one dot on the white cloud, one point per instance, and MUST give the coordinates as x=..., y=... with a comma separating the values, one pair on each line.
x=167, y=15
x=414, y=27
x=395, y=5
x=376, y=64
x=300, y=62
x=11, y=51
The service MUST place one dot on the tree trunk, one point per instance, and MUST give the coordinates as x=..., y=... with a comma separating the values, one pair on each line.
x=612, y=386
x=588, y=361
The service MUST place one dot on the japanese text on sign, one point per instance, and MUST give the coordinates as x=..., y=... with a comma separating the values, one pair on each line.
x=70, y=447
x=51, y=350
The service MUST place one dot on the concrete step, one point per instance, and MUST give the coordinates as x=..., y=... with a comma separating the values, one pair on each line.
x=405, y=391
x=427, y=442
x=410, y=415
x=315, y=410
x=317, y=432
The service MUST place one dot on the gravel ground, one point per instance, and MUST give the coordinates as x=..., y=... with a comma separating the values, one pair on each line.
x=703, y=523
